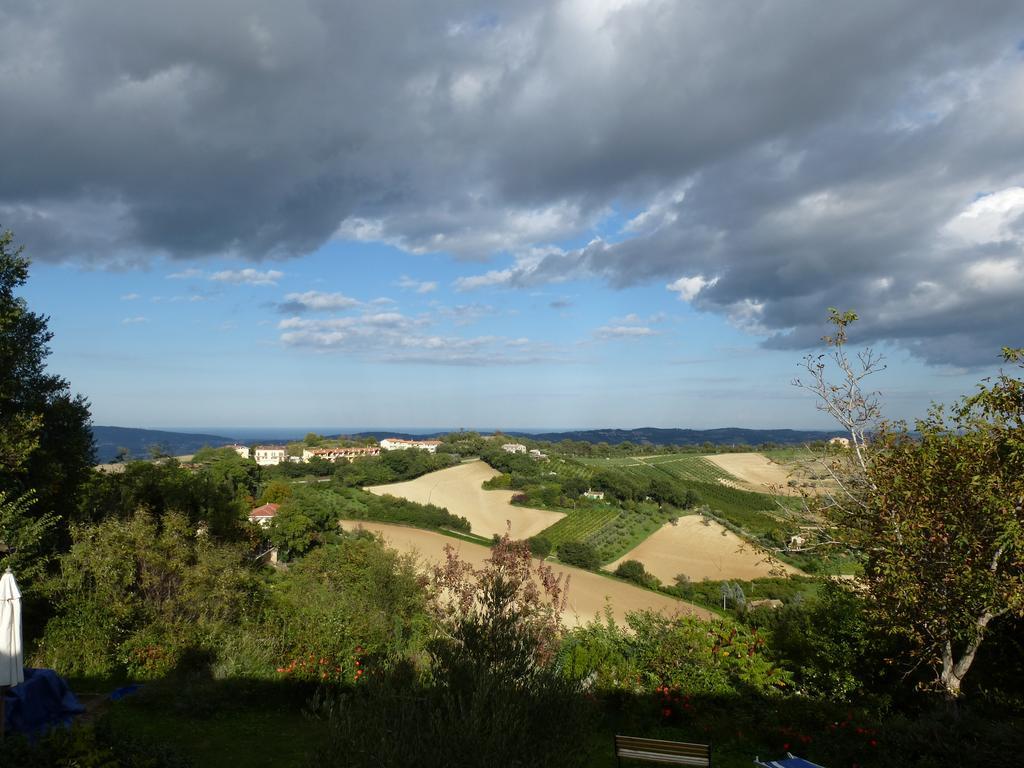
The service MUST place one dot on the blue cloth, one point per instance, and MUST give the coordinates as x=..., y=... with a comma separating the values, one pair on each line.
x=787, y=762
x=42, y=701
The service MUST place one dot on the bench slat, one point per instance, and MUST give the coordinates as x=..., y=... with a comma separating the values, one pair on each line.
x=663, y=751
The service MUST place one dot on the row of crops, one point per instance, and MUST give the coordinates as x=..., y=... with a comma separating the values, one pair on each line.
x=580, y=524
x=616, y=531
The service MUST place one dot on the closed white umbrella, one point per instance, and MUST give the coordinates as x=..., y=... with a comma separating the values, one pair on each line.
x=12, y=668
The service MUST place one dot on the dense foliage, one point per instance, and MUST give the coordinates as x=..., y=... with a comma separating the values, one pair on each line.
x=46, y=447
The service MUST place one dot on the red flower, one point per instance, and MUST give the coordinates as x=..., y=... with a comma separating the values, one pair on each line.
x=786, y=746
x=873, y=743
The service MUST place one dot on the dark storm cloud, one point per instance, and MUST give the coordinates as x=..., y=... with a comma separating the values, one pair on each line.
x=786, y=156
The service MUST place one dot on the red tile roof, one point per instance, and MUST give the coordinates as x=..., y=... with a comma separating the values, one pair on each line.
x=267, y=510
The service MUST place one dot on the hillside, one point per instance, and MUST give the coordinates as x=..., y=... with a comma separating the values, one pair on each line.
x=656, y=436
x=109, y=440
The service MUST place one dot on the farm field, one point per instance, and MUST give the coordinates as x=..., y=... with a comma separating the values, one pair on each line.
x=755, y=472
x=701, y=550
x=458, y=490
x=588, y=592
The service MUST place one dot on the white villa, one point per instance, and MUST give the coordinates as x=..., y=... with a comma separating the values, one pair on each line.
x=398, y=444
x=843, y=442
x=241, y=450
x=537, y=454
x=591, y=494
x=514, y=448
x=333, y=454
x=270, y=455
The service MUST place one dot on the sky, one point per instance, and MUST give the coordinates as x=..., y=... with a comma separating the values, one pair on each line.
x=534, y=215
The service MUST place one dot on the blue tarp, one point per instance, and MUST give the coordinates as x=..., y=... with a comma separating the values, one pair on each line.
x=787, y=762
x=42, y=701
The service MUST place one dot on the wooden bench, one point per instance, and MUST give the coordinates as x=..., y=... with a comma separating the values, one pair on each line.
x=660, y=751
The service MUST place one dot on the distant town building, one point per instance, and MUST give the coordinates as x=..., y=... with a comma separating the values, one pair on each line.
x=263, y=515
x=537, y=454
x=840, y=441
x=241, y=450
x=590, y=494
x=398, y=444
x=333, y=454
x=270, y=455
x=514, y=448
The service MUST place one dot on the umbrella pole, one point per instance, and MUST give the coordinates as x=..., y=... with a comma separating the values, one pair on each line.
x=3, y=714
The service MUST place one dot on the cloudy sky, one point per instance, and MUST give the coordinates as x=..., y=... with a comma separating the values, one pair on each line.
x=569, y=213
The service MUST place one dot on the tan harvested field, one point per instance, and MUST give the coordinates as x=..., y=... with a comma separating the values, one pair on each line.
x=588, y=592
x=755, y=471
x=458, y=490
x=701, y=551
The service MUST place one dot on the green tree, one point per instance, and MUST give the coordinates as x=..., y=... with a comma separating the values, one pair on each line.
x=46, y=445
x=22, y=539
x=943, y=526
x=937, y=513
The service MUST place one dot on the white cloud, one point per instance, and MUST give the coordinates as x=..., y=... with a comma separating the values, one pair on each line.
x=320, y=300
x=997, y=274
x=185, y=274
x=407, y=283
x=689, y=287
x=135, y=320
x=623, y=331
x=130, y=296
x=991, y=219
x=248, y=276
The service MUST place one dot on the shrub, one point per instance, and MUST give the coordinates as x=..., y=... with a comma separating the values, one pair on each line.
x=540, y=546
x=633, y=570
x=580, y=554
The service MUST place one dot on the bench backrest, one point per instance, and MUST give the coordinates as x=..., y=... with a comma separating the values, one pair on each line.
x=660, y=751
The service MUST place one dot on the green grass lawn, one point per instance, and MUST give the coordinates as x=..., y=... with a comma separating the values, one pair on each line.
x=214, y=729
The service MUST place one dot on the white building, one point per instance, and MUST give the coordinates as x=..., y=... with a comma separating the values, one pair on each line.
x=537, y=454
x=590, y=494
x=398, y=444
x=843, y=442
x=241, y=450
x=333, y=454
x=514, y=448
x=269, y=455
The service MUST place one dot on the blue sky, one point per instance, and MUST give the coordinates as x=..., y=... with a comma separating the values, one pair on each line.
x=513, y=213
x=171, y=346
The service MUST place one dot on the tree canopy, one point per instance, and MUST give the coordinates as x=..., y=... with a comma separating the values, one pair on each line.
x=936, y=512
x=46, y=444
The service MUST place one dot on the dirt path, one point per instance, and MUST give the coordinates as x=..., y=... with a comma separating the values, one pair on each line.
x=458, y=490
x=701, y=551
x=588, y=592
x=755, y=471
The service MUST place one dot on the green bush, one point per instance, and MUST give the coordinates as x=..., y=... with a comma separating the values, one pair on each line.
x=540, y=546
x=633, y=570
x=580, y=554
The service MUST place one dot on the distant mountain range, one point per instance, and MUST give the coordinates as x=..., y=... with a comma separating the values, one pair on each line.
x=656, y=436
x=138, y=442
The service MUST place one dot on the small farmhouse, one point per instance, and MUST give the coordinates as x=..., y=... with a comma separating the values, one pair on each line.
x=241, y=450
x=263, y=515
x=514, y=448
x=842, y=442
x=537, y=454
x=269, y=455
x=590, y=494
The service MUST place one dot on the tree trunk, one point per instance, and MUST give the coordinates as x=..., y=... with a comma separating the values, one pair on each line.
x=954, y=670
